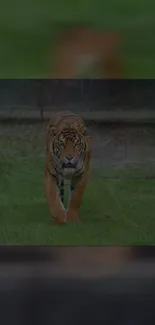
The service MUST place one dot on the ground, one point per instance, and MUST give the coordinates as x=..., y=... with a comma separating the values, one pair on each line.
x=28, y=29
x=118, y=206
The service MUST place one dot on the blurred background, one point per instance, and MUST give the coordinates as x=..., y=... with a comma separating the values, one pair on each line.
x=102, y=100
x=29, y=30
x=77, y=284
x=118, y=205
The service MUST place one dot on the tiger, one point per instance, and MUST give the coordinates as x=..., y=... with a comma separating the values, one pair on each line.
x=79, y=49
x=68, y=156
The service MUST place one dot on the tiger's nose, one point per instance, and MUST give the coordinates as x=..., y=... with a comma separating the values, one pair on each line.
x=69, y=158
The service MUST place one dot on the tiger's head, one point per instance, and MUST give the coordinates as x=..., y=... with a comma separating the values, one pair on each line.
x=69, y=146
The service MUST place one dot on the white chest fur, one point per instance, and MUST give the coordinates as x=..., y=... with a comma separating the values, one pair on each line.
x=68, y=173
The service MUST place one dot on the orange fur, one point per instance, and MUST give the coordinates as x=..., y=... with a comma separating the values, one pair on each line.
x=80, y=48
x=56, y=132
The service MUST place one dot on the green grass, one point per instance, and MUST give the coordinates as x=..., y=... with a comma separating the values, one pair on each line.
x=28, y=28
x=116, y=211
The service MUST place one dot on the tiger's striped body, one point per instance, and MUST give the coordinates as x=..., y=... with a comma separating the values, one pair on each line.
x=67, y=158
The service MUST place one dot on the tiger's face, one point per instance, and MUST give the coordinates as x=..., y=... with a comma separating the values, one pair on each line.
x=69, y=147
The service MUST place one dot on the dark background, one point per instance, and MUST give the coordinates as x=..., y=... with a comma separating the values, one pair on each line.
x=110, y=93
x=34, y=298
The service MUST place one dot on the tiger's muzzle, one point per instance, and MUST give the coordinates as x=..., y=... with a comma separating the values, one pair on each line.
x=70, y=162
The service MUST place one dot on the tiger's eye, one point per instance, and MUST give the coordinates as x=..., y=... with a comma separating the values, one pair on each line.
x=61, y=144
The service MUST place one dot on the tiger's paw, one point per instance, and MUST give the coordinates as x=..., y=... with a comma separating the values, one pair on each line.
x=59, y=222
x=60, y=219
x=72, y=216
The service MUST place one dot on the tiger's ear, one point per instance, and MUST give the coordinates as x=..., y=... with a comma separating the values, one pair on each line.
x=85, y=131
x=52, y=130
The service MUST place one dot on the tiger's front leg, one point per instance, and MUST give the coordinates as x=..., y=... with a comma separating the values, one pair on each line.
x=79, y=185
x=55, y=205
x=76, y=198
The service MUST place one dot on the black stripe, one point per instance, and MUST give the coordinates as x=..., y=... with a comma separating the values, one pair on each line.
x=62, y=190
x=79, y=174
x=72, y=188
x=51, y=173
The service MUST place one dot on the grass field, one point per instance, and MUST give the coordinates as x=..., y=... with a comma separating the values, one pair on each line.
x=28, y=28
x=118, y=205
x=118, y=208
